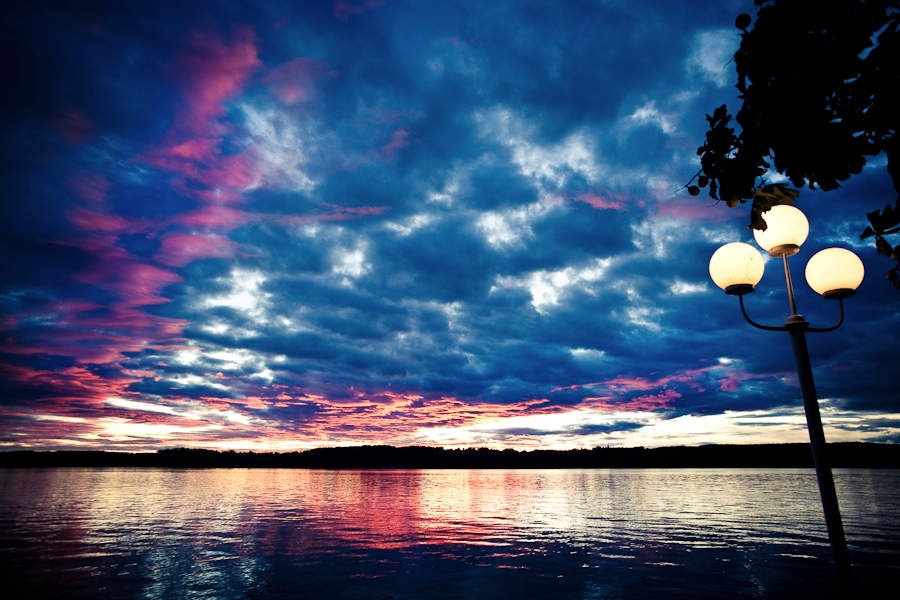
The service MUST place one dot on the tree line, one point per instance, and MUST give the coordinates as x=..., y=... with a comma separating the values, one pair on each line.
x=841, y=455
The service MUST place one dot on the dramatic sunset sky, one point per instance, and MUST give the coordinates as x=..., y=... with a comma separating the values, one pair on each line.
x=282, y=225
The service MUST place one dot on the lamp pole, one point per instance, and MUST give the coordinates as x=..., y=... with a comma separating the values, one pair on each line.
x=835, y=273
x=833, y=521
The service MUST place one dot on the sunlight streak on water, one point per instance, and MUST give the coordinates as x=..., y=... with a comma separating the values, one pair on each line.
x=157, y=533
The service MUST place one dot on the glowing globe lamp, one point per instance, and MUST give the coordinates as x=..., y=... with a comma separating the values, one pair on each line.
x=736, y=268
x=786, y=231
x=835, y=273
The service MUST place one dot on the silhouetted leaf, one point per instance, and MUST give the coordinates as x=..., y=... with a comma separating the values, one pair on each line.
x=720, y=112
x=873, y=218
x=818, y=96
x=756, y=220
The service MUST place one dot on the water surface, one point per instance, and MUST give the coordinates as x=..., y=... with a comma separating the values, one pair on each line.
x=492, y=534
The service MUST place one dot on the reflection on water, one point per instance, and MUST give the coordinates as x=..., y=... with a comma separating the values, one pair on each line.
x=438, y=534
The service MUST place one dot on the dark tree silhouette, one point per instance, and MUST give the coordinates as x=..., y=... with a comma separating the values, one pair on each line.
x=820, y=85
x=844, y=455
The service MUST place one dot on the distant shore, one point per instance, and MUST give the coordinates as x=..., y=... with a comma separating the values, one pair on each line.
x=841, y=455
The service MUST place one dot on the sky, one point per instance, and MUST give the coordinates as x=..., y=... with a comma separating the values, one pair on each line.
x=274, y=226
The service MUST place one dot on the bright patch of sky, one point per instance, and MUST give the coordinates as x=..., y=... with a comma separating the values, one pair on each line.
x=711, y=56
x=547, y=287
x=281, y=148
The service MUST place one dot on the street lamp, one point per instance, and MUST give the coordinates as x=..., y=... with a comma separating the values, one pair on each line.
x=834, y=273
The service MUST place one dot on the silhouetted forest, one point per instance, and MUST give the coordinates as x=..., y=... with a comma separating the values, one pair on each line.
x=842, y=455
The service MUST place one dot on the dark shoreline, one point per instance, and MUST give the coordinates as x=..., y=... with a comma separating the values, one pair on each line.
x=774, y=456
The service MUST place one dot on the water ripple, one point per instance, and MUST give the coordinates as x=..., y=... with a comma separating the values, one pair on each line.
x=444, y=534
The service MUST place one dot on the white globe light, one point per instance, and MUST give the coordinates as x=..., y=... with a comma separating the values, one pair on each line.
x=786, y=231
x=736, y=268
x=835, y=273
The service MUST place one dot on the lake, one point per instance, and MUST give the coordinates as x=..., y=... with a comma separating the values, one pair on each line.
x=445, y=534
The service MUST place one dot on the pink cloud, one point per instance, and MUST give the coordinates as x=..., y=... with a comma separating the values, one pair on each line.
x=89, y=187
x=142, y=284
x=633, y=383
x=214, y=217
x=344, y=8
x=88, y=220
x=292, y=82
x=399, y=140
x=220, y=218
x=365, y=416
x=75, y=387
x=201, y=161
x=690, y=377
x=648, y=403
x=196, y=150
x=210, y=71
x=601, y=202
x=577, y=386
x=179, y=249
x=114, y=269
x=731, y=384
x=335, y=213
x=733, y=379
x=692, y=209
x=93, y=334
x=624, y=384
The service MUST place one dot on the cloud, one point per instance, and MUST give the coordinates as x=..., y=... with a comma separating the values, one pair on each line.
x=648, y=114
x=244, y=294
x=712, y=54
x=209, y=72
x=89, y=220
x=601, y=201
x=89, y=187
x=513, y=226
x=546, y=288
x=399, y=140
x=280, y=147
x=450, y=226
x=293, y=82
x=546, y=164
x=179, y=249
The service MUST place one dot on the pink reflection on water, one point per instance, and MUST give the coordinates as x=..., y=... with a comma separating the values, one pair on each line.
x=235, y=533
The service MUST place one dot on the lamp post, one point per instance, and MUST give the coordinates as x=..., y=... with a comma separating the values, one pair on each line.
x=834, y=273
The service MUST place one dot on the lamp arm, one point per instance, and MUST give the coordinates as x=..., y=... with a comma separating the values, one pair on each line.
x=754, y=323
x=832, y=328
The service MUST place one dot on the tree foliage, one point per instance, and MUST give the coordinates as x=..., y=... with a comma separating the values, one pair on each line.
x=820, y=86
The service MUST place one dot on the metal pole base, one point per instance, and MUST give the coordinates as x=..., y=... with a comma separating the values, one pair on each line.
x=820, y=458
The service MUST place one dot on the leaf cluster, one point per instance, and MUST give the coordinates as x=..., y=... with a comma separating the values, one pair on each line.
x=819, y=90
x=886, y=222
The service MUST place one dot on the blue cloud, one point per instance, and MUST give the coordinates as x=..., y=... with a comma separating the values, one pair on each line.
x=425, y=211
